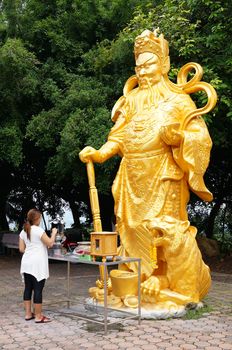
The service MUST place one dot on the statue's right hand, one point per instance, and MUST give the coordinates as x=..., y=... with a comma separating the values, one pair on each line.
x=88, y=154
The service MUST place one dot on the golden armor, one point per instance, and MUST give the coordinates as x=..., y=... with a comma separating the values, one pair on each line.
x=165, y=148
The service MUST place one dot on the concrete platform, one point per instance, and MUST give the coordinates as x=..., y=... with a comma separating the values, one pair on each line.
x=213, y=330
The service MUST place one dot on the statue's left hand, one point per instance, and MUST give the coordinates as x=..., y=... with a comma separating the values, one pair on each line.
x=171, y=134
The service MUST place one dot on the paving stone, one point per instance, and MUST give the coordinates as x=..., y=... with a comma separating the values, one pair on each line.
x=152, y=338
x=140, y=342
x=10, y=346
x=201, y=344
x=176, y=342
x=150, y=347
x=164, y=345
x=102, y=342
x=189, y=347
x=126, y=345
x=226, y=346
x=88, y=345
x=117, y=340
x=110, y=347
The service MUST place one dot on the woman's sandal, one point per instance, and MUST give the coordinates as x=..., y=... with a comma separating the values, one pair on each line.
x=30, y=318
x=44, y=319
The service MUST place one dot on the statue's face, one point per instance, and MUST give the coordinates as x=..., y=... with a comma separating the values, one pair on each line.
x=148, y=69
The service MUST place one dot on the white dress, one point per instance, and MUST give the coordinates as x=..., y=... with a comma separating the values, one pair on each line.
x=35, y=258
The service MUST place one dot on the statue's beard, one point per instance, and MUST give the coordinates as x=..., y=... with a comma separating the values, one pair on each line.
x=147, y=81
x=146, y=96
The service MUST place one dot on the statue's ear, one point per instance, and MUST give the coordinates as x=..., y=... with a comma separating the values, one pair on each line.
x=166, y=65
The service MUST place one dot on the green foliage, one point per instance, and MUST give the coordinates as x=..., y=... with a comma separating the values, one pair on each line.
x=11, y=145
x=18, y=83
x=18, y=71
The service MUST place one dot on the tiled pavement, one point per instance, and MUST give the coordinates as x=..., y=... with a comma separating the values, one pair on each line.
x=211, y=331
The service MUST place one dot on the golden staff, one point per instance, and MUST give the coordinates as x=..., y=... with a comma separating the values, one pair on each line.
x=95, y=209
x=93, y=195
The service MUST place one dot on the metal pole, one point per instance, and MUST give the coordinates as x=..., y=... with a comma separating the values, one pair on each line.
x=68, y=283
x=105, y=298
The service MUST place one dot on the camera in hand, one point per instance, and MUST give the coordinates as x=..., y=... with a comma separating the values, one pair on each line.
x=55, y=225
x=58, y=224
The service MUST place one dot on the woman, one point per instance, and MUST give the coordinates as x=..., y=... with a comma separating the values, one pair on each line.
x=33, y=243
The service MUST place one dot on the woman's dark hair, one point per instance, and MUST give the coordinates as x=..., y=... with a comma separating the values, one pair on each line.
x=32, y=216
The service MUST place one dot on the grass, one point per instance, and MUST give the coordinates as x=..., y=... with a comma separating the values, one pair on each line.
x=197, y=313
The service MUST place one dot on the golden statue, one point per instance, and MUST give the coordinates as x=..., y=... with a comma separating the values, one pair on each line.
x=165, y=148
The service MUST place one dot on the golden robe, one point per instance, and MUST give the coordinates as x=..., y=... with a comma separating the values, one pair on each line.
x=154, y=178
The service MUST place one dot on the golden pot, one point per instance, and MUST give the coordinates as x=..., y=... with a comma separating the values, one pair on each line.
x=124, y=283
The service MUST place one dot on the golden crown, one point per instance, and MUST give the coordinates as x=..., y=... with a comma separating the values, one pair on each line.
x=149, y=41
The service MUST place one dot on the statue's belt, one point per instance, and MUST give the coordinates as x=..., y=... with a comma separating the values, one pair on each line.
x=147, y=154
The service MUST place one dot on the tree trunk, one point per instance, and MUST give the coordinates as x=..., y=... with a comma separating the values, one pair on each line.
x=211, y=220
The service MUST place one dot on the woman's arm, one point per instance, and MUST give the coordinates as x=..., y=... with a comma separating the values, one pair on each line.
x=49, y=241
x=22, y=245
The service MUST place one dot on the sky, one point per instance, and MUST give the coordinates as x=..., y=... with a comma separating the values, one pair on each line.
x=68, y=220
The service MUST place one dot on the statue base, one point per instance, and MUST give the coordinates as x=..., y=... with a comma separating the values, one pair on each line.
x=158, y=311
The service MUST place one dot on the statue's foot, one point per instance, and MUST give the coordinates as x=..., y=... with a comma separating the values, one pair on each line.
x=150, y=289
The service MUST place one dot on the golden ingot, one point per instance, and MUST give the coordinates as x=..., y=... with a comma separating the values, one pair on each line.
x=98, y=294
x=131, y=301
x=114, y=301
x=124, y=282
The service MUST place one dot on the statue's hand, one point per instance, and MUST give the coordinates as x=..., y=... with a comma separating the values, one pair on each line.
x=171, y=134
x=89, y=154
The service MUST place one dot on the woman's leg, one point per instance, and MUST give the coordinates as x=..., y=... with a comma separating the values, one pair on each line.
x=38, y=311
x=28, y=280
x=38, y=298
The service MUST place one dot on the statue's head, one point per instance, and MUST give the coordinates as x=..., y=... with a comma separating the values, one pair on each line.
x=151, y=56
